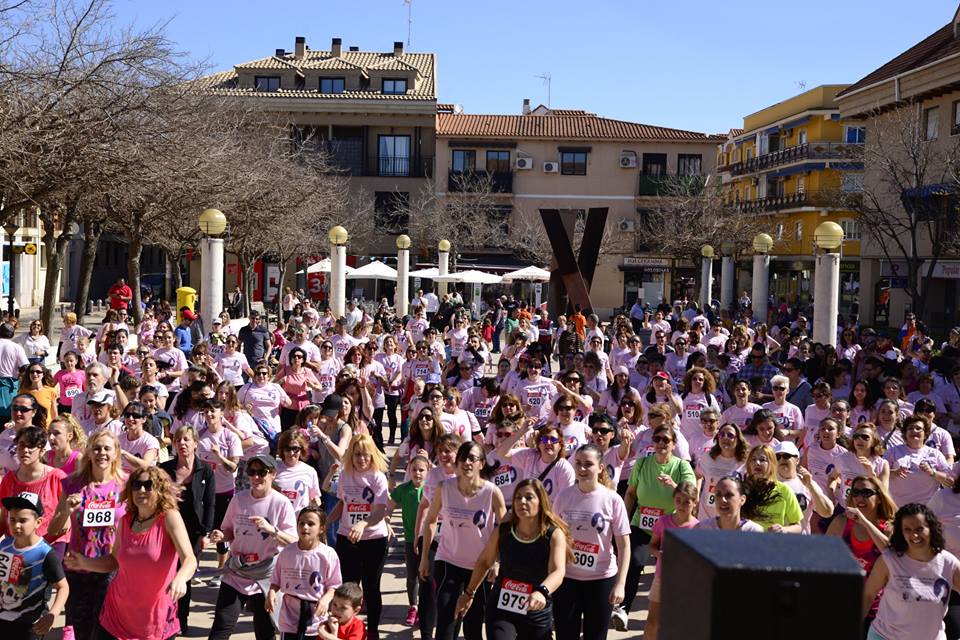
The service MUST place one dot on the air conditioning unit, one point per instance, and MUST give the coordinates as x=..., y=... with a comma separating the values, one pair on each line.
x=551, y=167
x=524, y=163
x=626, y=225
x=628, y=161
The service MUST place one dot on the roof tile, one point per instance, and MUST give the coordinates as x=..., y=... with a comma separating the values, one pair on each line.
x=565, y=127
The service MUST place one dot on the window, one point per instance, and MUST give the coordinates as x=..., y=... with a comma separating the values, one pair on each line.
x=801, y=184
x=464, y=160
x=267, y=83
x=749, y=154
x=931, y=123
x=573, y=163
x=391, y=211
x=802, y=136
x=851, y=229
x=779, y=232
x=394, y=155
x=854, y=135
x=689, y=164
x=394, y=86
x=798, y=231
x=499, y=161
x=654, y=164
x=331, y=85
x=851, y=182
x=955, y=129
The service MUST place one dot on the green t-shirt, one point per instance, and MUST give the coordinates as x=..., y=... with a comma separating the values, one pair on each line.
x=408, y=497
x=784, y=510
x=655, y=499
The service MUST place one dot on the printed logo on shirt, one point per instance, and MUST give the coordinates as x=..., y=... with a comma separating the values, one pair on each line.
x=480, y=519
x=367, y=494
x=598, y=522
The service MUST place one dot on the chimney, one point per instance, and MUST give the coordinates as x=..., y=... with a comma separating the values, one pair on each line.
x=300, y=48
x=280, y=53
x=398, y=48
x=354, y=48
x=335, y=47
x=526, y=106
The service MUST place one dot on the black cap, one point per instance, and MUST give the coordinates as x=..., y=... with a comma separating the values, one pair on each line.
x=23, y=500
x=332, y=405
x=267, y=461
x=596, y=418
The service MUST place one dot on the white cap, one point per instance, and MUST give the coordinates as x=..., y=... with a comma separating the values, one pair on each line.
x=788, y=448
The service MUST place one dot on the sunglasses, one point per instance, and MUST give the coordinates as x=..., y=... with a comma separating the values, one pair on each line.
x=19, y=408
x=779, y=388
x=146, y=353
x=565, y=407
x=294, y=449
x=862, y=493
x=549, y=440
x=426, y=416
x=36, y=372
x=142, y=485
x=263, y=373
x=861, y=436
x=662, y=439
x=296, y=356
x=260, y=472
x=602, y=432
x=436, y=397
x=134, y=416
x=708, y=420
x=784, y=456
x=504, y=434
x=726, y=435
x=472, y=458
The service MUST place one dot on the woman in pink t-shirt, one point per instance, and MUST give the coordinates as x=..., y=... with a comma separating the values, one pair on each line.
x=67, y=441
x=34, y=476
x=297, y=381
x=742, y=410
x=70, y=380
x=594, y=581
x=142, y=598
x=470, y=506
x=296, y=479
x=547, y=462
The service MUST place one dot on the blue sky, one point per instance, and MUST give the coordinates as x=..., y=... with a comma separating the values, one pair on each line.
x=693, y=64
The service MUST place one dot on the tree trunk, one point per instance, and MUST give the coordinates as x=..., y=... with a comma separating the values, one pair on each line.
x=249, y=279
x=134, y=252
x=56, y=248
x=91, y=240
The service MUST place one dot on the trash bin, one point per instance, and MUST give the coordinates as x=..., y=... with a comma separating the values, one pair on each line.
x=186, y=297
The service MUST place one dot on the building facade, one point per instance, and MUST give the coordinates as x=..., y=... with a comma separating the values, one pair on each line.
x=924, y=82
x=572, y=160
x=798, y=162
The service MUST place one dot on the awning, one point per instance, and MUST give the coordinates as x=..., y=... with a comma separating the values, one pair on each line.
x=847, y=166
x=775, y=129
x=322, y=267
x=470, y=276
x=742, y=140
x=928, y=190
x=796, y=123
x=429, y=272
x=375, y=270
x=533, y=274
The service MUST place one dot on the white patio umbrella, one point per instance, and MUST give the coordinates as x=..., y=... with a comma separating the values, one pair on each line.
x=531, y=274
x=375, y=270
x=471, y=276
x=321, y=267
x=429, y=272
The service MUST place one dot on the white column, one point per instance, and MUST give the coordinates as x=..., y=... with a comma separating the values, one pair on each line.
x=761, y=282
x=211, y=270
x=338, y=279
x=403, y=282
x=827, y=286
x=443, y=266
x=706, y=280
x=727, y=282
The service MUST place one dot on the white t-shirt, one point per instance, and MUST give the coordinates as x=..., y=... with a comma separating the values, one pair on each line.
x=298, y=483
x=712, y=469
x=916, y=596
x=231, y=367
x=228, y=444
x=594, y=518
x=138, y=447
x=918, y=486
x=265, y=401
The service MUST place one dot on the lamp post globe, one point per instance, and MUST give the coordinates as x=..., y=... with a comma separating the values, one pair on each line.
x=403, y=241
x=338, y=236
x=828, y=235
x=213, y=222
x=762, y=243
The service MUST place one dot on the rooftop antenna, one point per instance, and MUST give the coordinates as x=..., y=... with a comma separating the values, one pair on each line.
x=545, y=76
x=409, y=4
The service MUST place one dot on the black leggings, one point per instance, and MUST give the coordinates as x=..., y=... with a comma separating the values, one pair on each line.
x=392, y=403
x=363, y=562
x=506, y=625
x=87, y=593
x=639, y=554
x=221, y=502
x=183, y=604
x=451, y=581
x=583, y=600
x=952, y=619
x=229, y=603
x=288, y=418
x=427, y=597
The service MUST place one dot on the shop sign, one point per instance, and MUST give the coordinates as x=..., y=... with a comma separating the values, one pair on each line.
x=849, y=267
x=949, y=270
x=893, y=269
x=643, y=261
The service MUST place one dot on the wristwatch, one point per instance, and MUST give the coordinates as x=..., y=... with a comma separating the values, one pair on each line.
x=543, y=589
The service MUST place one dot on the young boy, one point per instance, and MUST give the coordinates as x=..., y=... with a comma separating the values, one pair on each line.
x=28, y=569
x=343, y=623
x=407, y=496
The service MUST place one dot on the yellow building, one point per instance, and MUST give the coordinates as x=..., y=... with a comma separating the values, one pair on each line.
x=796, y=162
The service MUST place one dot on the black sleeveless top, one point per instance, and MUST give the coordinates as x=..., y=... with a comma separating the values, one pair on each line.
x=524, y=561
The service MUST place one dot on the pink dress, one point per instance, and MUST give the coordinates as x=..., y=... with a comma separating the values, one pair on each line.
x=137, y=606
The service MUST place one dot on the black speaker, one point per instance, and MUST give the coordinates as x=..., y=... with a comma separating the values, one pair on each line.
x=728, y=584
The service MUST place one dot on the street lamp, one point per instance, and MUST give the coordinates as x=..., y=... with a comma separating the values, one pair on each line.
x=10, y=228
x=762, y=244
x=403, y=279
x=727, y=275
x=338, y=269
x=212, y=223
x=706, y=275
x=443, y=264
x=827, y=238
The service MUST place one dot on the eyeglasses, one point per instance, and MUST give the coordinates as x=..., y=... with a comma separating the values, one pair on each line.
x=426, y=416
x=548, y=440
x=662, y=439
x=565, y=407
x=708, y=420
x=19, y=408
x=432, y=398
x=142, y=485
x=450, y=398
x=260, y=472
x=726, y=435
x=472, y=458
x=133, y=416
x=862, y=493
x=263, y=373
x=326, y=347
x=838, y=409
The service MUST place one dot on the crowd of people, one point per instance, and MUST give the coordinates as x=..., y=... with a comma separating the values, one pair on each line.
x=530, y=466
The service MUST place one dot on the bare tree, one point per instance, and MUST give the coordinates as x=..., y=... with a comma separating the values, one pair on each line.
x=908, y=204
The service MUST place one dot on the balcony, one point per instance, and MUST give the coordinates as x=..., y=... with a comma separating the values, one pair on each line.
x=666, y=185
x=807, y=151
x=465, y=181
x=346, y=157
x=823, y=199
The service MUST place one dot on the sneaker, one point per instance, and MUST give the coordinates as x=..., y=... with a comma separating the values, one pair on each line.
x=214, y=582
x=619, y=619
x=197, y=581
x=411, y=616
x=68, y=632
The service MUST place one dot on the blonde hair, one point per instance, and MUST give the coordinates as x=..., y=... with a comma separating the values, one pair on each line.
x=162, y=488
x=77, y=436
x=85, y=466
x=70, y=316
x=362, y=441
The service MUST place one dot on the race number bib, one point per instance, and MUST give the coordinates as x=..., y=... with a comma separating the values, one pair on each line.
x=436, y=536
x=514, y=596
x=358, y=512
x=585, y=554
x=649, y=516
x=503, y=475
x=326, y=381
x=482, y=413
x=72, y=392
x=421, y=371
x=535, y=398
x=847, y=485
x=10, y=567
x=692, y=411
x=99, y=513
x=291, y=494
x=247, y=559
x=711, y=499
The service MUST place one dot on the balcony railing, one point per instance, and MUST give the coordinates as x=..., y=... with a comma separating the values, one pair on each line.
x=825, y=199
x=346, y=158
x=465, y=181
x=666, y=185
x=805, y=151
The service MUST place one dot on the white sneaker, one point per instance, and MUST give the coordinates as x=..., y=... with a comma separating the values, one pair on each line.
x=214, y=582
x=619, y=619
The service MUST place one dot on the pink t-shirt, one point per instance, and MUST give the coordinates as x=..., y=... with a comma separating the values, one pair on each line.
x=72, y=384
x=822, y=463
x=530, y=465
x=740, y=416
x=693, y=404
x=228, y=444
x=595, y=519
x=245, y=424
x=359, y=491
x=47, y=488
x=231, y=367
x=811, y=419
x=434, y=477
x=666, y=522
x=613, y=463
x=327, y=377
x=504, y=477
x=469, y=523
x=458, y=423
x=712, y=469
x=535, y=396
x=297, y=388
x=95, y=540
x=299, y=483
x=138, y=447
x=916, y=596
x=304, y=575
x=918, y=486
x=391, y=366
x=248, y=544
x=480, y=406
x=69, y=466
x=264, y=402
x=787, y=415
